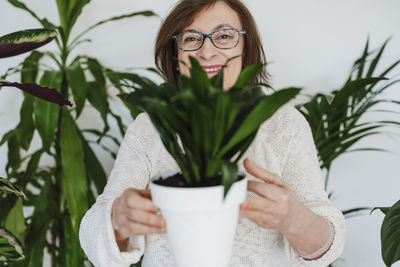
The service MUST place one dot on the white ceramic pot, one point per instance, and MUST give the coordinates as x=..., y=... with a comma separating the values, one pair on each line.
x=200, y=225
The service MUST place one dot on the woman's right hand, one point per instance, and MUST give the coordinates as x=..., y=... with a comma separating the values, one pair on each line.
x=133, y=213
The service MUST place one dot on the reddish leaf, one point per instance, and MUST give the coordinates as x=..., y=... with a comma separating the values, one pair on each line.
x=44, y=93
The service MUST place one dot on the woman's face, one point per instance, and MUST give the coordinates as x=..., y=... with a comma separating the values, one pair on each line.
x=218, y=17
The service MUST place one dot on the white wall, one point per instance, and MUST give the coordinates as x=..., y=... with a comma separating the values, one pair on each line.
x=309, y=43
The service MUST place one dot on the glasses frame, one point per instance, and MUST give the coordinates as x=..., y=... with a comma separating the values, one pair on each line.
x=205, y=36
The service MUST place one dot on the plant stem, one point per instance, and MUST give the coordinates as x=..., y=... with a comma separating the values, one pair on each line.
x=327, y=177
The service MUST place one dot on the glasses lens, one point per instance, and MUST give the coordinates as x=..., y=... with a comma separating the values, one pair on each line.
x=225, y=38
x=190, y=40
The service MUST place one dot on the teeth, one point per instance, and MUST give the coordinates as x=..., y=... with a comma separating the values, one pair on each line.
x=212, y=69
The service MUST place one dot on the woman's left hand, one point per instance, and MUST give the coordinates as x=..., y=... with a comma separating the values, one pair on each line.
x=276, y=208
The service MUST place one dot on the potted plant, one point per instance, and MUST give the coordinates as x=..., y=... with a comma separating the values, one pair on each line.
x=206, y=130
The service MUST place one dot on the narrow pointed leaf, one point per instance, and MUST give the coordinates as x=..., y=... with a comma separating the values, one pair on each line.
x=24, y=41
x=73, y=175
x=74, y=253
x=146, y=13
x=8, y=187
x=77, y=81
x=375, y=61
x=94, y=170
x=229, y=175
x=264, y=110
x=247, y=76
x=41, y=92
x=45, y=113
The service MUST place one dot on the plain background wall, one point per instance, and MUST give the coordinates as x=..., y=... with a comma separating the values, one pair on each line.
x=308, y=43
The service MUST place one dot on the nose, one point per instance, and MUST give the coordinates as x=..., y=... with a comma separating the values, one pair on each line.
x=208, y=50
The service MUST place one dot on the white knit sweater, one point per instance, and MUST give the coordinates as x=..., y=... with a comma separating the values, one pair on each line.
x=283, y=145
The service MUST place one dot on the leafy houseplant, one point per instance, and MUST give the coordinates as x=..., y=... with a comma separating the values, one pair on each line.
x=11, y=45
x=63, y=176
x=336, y=119
x=206, y=130
x=337, y=123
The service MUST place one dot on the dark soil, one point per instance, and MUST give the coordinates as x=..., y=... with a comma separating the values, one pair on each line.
x=178, y=181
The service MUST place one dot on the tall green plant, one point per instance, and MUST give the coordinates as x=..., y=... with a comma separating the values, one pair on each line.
x=214, y=127
x=11, y=45
x=336, y=119
x=337, y=123
x=59, y=192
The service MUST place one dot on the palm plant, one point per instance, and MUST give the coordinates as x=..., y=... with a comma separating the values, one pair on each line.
x=336, y=119
x=337, y=124
x=61, y=190
x=215, y=127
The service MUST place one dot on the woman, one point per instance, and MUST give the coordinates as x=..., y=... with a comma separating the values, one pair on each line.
x=286, y=219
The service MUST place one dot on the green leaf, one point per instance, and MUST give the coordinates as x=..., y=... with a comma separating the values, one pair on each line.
x=73, y=253
x=354, y=212
x=26, y=126
x=42, y=217
x=73, y=175
x=14, y=155
x=264, y=110
x=229, y=175
x=97, y=96
x=77, y=81
x=7, y=136
x=10, y=247
x=69, y=11
x=390, y=235
x=362, y=60
x=46, y=113
x=94, y=170
x=15, y=221
x=375, y=61
x=146, y=13
x=30, y=67
x=24, y=41
x=248, y=75
x=8, y=187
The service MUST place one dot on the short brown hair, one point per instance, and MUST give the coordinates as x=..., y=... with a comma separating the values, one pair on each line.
x=182, y=15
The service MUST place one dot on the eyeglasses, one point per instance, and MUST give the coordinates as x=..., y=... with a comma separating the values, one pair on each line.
x=222, y=39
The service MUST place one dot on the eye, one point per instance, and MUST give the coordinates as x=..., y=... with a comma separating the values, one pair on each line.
x=224, y=36
x=190, y=39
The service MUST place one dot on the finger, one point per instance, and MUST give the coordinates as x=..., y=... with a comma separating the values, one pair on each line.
x=262, y=174
x=145, y=193
x=270, y=191
x=147, y=218
x=257, y=204
x=136, y=200
x=142, y=229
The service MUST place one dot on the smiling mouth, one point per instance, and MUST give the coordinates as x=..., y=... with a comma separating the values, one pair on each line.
x=212, y=69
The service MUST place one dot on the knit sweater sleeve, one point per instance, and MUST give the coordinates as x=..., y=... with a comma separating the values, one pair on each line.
x=303, y=176
x=131, y=169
